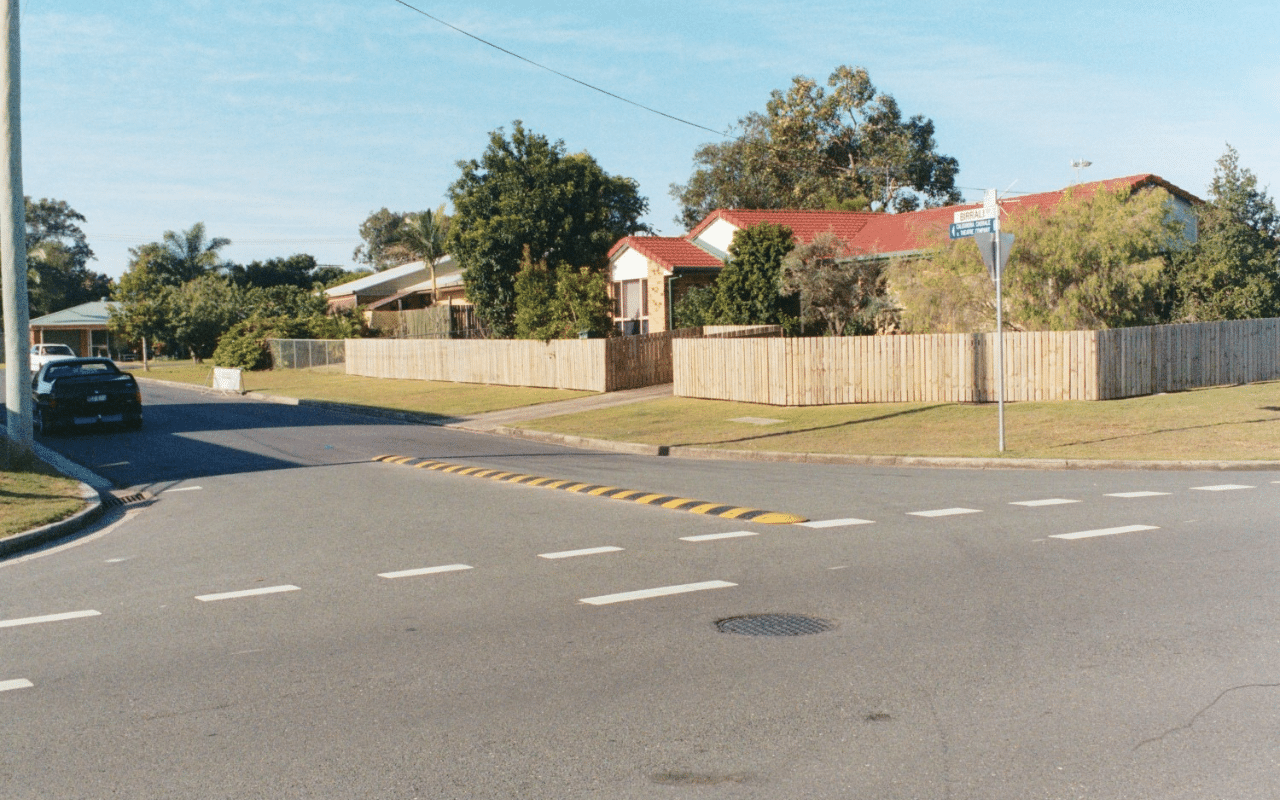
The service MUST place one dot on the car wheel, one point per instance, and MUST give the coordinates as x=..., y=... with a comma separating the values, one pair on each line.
x=41, y=423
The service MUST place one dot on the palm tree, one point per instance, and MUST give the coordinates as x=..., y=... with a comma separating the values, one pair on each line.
x=190, y=255
x=422, y=236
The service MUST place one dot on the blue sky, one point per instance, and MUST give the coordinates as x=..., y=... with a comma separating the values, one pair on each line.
x=282, y=125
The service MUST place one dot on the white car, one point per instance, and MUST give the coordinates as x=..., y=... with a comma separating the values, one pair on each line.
x=42, y=354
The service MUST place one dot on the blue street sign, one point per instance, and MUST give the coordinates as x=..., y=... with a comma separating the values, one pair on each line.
x=961, y=230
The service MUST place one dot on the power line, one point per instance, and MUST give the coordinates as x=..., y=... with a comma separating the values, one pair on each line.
x=561, y=74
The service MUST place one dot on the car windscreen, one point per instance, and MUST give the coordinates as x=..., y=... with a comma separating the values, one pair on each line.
x=69, y=370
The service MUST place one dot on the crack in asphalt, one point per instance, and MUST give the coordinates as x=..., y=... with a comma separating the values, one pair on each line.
x=1203, y=711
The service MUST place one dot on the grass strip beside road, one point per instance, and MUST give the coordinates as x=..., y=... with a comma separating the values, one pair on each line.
x=426, y=397
x=1224, y=423
x=31, y=499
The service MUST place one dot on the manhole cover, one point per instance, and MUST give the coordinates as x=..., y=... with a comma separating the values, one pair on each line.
x=774, y=625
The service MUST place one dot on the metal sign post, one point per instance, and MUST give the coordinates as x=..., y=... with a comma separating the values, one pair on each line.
x=983, y=225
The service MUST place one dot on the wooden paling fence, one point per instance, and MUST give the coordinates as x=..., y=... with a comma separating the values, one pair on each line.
x=1042, y=365
x=559, y=364
x=597, y=365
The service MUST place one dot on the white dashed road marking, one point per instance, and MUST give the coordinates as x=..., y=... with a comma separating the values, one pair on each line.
x=1137, y=494
x=411, y=573
x=590, y=551
x=208, y=598
x=1052, y=501
x=1105, y=532
x=661, y=591
x=183, y=489
x=709, y=537
x=1224, y=487
x=16, y=683
x=945, y=512
x=836, y=523
x=13, y=623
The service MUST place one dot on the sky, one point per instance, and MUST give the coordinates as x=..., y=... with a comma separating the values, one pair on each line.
x=282, y=125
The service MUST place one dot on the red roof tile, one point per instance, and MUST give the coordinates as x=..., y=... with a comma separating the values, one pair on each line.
x=669, y=252
x=803, y=224
x=869, y=232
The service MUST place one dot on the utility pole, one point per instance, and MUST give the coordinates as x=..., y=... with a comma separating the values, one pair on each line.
x=13, y=250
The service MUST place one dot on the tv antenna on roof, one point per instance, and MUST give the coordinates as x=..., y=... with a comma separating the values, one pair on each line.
x=1078, y=165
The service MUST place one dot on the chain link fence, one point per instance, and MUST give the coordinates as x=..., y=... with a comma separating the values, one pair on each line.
x=307, y=353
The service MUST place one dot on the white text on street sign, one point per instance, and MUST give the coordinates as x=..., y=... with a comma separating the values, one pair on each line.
x=960, y=230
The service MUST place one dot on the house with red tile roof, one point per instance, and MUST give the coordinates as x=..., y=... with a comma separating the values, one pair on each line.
x=650, y=274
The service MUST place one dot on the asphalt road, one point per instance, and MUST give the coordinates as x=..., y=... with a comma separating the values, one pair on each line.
x=409, y=637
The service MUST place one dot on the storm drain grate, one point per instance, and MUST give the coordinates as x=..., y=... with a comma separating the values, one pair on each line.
x=774, y=625
x=111, y=500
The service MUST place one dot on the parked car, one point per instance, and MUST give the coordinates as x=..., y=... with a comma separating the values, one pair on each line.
x=42, y=354
x=74, y=392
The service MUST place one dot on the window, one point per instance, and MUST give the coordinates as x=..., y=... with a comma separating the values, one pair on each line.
x=631, y=306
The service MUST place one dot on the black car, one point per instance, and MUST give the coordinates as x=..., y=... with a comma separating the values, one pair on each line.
x=72, y=392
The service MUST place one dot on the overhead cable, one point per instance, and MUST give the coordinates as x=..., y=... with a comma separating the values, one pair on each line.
x=561, y=74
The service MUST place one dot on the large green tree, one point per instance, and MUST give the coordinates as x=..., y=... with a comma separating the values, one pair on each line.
x=846, y=146
x=57, y=259
x=749, y=288
x=142, y=310
x=379, y=234
x=1233, y=270
x=525, y=191
x=297, y=270
x=201, y=310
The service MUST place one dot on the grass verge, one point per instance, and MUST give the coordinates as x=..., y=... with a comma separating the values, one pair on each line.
x=31, y=499
x=1225, y=423
x=430, y=397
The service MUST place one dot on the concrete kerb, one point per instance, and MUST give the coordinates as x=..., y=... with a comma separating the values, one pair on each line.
x=55, y=530
x=91, y=488
x=938, y=462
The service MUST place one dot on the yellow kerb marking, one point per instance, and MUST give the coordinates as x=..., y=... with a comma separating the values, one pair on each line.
x=704, y=508
x=500, y=476
x=440, y=465
x=678, y=501
x=425, y=464
x=649, y=498
x=625, y=495
x=403, y=460
x=602, y=490
x=734, y=513
x=537, y=481
x=577, y=487
x=555, y=485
